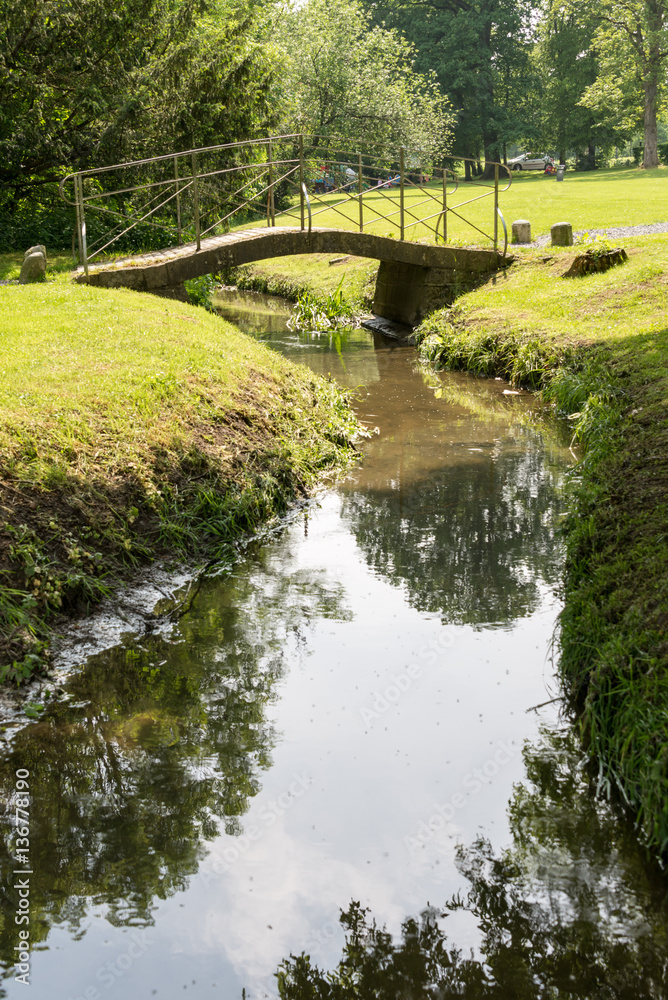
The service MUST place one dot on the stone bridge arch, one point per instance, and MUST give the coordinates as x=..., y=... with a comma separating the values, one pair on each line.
x=413, y=278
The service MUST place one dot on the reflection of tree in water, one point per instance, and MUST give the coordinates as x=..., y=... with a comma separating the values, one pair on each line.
x=158, y=746
x=569, y=911
x=473, y=539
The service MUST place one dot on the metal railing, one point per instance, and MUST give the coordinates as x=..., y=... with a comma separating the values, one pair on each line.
x=166, y=201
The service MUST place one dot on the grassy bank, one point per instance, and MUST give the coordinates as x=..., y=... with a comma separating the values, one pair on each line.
x=597, y=348
x=293, y=276
x=132, y=426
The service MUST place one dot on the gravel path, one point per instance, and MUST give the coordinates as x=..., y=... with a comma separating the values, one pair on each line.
x=654, y=227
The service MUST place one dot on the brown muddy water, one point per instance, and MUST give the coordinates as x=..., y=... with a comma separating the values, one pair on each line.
x=345, y=722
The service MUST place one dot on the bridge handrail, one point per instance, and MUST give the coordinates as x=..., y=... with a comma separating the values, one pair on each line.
x=267, y=175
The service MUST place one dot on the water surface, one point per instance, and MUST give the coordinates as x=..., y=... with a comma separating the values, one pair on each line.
x=351, y=714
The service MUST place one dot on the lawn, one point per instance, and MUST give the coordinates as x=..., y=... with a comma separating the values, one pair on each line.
x=594, y=200
x=597, y=200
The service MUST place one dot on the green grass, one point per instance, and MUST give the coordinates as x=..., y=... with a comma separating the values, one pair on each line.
x=597, y=347
x=294, y=276
x=592, y=200
x=10, y=264
x=132, y=425
x=597, y=200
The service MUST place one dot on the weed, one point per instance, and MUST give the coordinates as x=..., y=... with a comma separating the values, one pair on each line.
x=313, y=313
x=200, y=290
x=597, y=245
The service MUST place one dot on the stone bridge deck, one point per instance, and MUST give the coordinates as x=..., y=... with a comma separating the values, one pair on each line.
x=413, y=279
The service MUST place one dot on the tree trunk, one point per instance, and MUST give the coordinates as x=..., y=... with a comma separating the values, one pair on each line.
x=651, y=157
x=651, y=80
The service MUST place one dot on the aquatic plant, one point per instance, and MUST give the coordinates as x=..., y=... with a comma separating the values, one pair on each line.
x=315, y=313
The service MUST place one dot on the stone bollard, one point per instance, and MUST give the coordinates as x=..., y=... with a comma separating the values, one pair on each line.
x=562, y=234
x=40, y=248
x=521, y=231
x=34, y=265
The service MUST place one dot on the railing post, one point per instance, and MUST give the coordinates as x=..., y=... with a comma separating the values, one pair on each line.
x=445, y=205
x=78, y=214
x=196, y=200
x=496, y=206
x=178, y=201
x=81, y=221
x=401, y=191
x=359, y=190
x=301, y=176
x=271, y=218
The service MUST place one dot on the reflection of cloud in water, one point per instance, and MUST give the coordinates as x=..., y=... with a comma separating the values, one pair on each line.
x=293, y=884
x=571, y=908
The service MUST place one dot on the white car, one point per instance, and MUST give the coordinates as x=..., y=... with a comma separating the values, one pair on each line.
x=527, y=161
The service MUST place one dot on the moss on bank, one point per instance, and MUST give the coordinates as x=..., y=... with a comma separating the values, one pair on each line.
x=132, y=426
x=597, y=348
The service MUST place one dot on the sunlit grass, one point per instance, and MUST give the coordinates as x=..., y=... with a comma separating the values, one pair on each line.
x=593, y=200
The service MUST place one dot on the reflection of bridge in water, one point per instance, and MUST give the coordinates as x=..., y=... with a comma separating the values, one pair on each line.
x=199, y=211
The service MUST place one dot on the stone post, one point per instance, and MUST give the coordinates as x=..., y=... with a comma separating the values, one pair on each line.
x=521, y=231
x=562, y=234
x=34, y=265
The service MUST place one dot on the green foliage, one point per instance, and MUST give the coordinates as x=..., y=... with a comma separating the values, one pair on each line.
x=313, y=312
x=631, y=39
x=343, y=77
x=91, y=82
x=569, y=63
x=200, y=290
x=480, y=52
x=596, y=246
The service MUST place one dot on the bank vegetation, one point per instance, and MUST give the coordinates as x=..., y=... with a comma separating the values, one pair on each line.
x=133, y=427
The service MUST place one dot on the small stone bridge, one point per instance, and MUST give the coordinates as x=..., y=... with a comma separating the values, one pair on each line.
x=193, y=200
x=413, y=278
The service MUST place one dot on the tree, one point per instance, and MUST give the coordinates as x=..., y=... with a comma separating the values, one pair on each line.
x=632, y=39
x=85, y=83
x=569, y=64
x=480, y=52
x=344, y=77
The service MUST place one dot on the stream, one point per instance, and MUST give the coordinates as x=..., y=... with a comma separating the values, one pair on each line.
x=361, y=717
